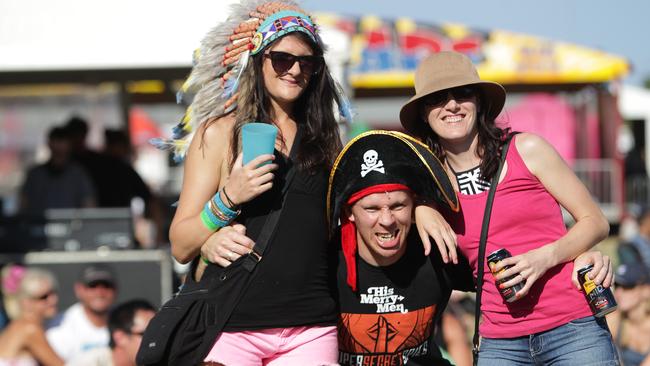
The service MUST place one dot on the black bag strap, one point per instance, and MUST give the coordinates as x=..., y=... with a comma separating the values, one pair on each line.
x=481, y=247
x=250, y=261
x=255, y=256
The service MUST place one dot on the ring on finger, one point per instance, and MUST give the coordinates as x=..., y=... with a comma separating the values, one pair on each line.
x=231, y=256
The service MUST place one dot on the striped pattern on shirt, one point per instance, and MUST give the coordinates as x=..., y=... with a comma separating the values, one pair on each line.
x=470, y=182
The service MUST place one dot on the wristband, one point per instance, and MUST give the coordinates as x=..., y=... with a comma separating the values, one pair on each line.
x=231, y=214
x=220, y=220
x=216, y=214
x=207, y=222
x=221, y=217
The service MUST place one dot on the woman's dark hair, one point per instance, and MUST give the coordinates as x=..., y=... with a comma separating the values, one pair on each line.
x=490, y=138
x=314, y=110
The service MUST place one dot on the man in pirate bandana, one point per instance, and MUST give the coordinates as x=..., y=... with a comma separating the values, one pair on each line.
x=391, y=295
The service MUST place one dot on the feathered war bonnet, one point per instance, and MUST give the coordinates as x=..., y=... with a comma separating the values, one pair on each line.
x=211, y=89
x=382, y=161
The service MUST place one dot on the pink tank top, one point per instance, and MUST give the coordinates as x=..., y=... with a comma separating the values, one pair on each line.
x=524, y=217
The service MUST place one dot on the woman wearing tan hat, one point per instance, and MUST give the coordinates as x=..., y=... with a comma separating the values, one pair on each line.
x=454, y=112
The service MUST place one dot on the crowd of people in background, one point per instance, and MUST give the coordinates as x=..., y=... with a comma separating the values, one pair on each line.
x=76, y=176
x=95, y=331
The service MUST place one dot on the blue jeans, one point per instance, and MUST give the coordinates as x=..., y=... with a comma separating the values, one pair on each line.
x=584, y=341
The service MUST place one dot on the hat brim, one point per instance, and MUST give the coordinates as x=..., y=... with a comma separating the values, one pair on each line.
x=493, y=97
x=425, y=174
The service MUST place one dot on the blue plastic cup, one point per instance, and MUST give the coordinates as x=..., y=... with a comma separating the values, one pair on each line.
x=257, y=139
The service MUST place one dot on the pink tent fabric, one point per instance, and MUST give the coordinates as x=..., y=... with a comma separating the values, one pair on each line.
x=142, y=127
x=548, y=116
x=593, y=134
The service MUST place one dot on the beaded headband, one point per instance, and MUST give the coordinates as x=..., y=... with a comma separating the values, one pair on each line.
x=279, y=24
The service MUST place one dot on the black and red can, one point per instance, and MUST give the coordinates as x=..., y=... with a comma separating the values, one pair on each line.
x=601, y=300
x=508, y=293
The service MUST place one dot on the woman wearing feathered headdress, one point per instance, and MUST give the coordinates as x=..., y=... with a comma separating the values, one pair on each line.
x=264, y=64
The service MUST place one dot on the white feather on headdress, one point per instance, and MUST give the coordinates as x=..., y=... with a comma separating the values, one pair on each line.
x=210, y=89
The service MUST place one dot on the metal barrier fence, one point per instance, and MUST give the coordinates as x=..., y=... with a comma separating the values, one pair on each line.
x=603, y=179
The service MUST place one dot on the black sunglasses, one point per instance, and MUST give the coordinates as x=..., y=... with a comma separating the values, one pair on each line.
x=45, y=296
x=461, y=93
x=101, y=283
x=283, y=62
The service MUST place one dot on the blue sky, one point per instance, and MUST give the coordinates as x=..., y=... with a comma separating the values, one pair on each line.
x=618, y=27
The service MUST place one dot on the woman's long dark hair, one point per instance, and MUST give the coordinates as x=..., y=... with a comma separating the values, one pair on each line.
x=490, y=138
x=314, y=110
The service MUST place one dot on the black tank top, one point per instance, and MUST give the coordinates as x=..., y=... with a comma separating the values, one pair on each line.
x=292, y=286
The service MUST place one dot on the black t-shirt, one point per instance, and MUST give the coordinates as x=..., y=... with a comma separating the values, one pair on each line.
x=115, y=181
x=390, y=320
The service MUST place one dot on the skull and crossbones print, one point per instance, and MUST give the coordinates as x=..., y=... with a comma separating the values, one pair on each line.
x=371, y=163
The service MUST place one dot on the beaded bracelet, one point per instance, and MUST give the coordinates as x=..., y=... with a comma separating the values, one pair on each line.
x=230, y=202
x=222, y=206
x=216, y=214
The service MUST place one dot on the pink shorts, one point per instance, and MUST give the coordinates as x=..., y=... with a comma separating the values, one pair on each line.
x=277, y=346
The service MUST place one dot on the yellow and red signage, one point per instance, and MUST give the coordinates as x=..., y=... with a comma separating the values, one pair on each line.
x=386, y=53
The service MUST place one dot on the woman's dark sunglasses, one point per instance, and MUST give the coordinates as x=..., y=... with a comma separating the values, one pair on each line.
x=44, y=296
x=283, y=62
x=461, y=93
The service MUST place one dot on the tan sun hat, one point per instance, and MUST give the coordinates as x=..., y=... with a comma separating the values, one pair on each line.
x=445, y=70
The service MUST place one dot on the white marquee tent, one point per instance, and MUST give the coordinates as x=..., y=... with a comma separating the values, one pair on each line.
x=72, y=35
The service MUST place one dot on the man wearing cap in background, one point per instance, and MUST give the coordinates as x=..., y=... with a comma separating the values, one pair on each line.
x=390, y=293
x=126, y=324
x=83, y=325
x=630, y=325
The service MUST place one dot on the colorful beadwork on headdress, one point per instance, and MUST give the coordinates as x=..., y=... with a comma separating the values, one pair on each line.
x=279, y=24
x=211, y=90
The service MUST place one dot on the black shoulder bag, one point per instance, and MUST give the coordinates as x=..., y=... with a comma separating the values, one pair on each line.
x=481, y=247
x=185, y=328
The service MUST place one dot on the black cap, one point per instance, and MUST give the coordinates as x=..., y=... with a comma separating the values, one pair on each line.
x=631, y=274
x=97, y=273
x=384, y=157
